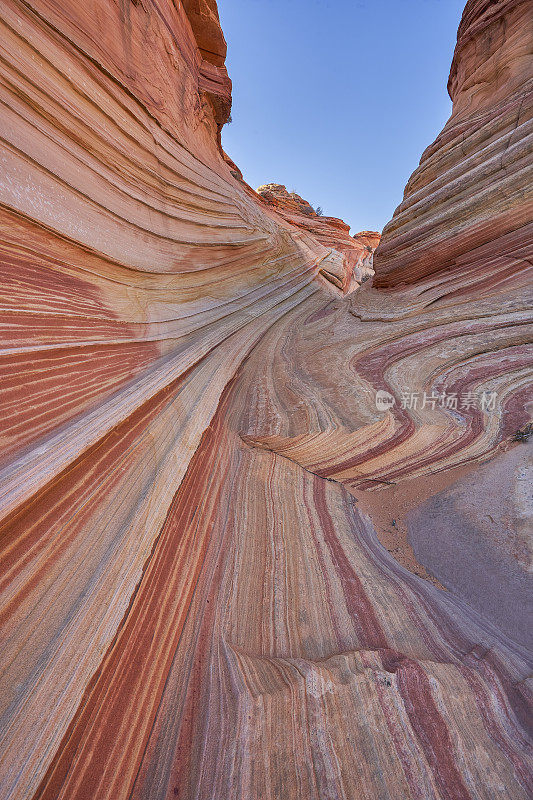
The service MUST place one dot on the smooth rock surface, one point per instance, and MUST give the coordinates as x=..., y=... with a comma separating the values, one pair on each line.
x=477, y=538
x=191, y=603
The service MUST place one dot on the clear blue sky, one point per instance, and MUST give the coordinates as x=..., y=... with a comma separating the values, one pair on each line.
x=337, y=99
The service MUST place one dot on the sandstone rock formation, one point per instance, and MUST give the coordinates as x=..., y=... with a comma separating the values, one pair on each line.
x=346, y=273
x=471, y=199
x=194, y=603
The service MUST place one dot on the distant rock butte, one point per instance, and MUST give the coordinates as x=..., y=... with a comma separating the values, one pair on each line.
x=194, y=603
x=356, y=265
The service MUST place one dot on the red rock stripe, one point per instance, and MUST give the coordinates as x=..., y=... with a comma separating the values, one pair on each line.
x=358, y=604
x=429, y=727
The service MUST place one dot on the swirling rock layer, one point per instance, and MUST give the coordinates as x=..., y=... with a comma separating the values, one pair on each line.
x=193, y=603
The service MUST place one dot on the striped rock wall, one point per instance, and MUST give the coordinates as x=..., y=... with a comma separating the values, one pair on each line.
x=472, y=192
x=193, y=601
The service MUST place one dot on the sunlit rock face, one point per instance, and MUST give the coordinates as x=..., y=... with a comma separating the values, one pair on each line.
x=357, y=252
x=194, y=603
x=471, y=199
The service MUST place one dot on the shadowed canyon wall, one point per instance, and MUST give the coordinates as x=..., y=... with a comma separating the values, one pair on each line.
x=219, y=566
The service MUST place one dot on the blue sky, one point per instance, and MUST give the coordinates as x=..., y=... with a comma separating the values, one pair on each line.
x=337, y=99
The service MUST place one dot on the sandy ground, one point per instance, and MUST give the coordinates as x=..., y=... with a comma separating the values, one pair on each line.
x=389, y=506
x=468, y=530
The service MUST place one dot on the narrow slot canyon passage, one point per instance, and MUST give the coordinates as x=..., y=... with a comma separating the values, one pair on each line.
x=265, y=515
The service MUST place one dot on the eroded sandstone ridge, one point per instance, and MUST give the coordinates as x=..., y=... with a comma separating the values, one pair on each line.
x=356, y=266
x=470, y=202
x=193, y=603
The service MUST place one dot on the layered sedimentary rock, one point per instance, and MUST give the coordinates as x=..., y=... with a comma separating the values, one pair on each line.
x=355, y=266
x=471, y=199
x=194, y=603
